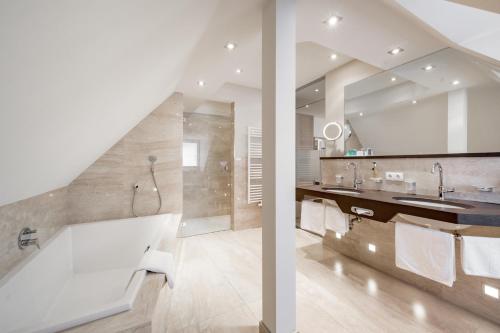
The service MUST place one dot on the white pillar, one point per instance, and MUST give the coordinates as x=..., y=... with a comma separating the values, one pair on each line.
x=278, y=125
x=457, y=121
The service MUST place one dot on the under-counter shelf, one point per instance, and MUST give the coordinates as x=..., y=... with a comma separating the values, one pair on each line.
x=382, y=206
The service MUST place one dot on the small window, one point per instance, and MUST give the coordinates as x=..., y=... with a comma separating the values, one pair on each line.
x=190, y=154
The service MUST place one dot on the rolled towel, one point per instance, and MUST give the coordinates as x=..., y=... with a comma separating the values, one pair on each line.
x=426, y=252
x=312, y=217
x=481, y=256
x=159, y=262
x=335, y=219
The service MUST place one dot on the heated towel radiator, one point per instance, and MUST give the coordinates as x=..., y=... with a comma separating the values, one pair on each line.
x=254, y=165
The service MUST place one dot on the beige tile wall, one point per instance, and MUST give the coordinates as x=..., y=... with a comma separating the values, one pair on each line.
x=46, y=213
x=207, y=188
x=104, y=191
x=461, y=173
x=245, y=215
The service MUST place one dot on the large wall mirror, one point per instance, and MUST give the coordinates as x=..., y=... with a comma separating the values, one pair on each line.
x=446, y=102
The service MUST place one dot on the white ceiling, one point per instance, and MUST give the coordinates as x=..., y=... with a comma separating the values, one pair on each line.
x=472, y=28
x=77, y=75
x=379, y=93
x=313, y=62
x=368, y=30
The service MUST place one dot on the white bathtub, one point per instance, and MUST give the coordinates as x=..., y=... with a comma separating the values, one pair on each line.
x=80, y=275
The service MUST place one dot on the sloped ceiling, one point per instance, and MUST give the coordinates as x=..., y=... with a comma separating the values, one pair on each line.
x=77, y=75
x=472, y=28
x=368, y=30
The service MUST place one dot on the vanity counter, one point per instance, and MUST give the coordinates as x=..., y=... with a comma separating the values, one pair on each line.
x=382, y=206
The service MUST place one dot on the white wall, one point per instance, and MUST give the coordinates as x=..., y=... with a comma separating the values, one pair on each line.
x=409, y=129
x=484, y=118
x=457, y=121
x=78, y=75
x=335, y=81
x=247, y=112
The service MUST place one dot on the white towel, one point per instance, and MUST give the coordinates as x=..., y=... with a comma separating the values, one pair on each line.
x=335, y=219
x=481, y=256
x=159, y=262
x=312, y=217
x=426, y=252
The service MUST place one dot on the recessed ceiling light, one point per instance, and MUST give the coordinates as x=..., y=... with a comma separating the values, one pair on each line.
x=333, y=20
x=393, y=79
x=333, y=56
x=456, y=82
x=372, y=248
x=230, y=46
x=238, y=70
x=316, y=90
x=361, y=114
x=429, y=68
x=201, y=83
x=307, y=106
x=414, y=102
x=396, y=51
x=338, y=235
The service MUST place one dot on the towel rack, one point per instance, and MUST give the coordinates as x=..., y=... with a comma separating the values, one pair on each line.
x=254, y=165
x=456, y=234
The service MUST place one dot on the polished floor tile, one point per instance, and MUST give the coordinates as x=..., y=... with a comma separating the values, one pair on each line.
x=218, y=289
x=204, y=225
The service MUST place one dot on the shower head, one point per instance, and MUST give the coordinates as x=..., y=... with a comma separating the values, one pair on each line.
x=152, y=158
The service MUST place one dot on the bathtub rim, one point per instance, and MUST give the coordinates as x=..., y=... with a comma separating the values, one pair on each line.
x=51, y=239
x=124, y=303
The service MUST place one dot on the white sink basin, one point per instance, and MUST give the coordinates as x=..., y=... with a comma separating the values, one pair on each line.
x=431, y=203
x=341, y=190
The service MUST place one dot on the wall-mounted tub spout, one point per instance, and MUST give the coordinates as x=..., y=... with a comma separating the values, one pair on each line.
x=25, y=238
x=152, y=159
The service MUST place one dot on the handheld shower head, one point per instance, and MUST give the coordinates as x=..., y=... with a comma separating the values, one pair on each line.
x=152, y=158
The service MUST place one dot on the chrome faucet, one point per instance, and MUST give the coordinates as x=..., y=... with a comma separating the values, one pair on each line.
x=355, y=180
x=441, y=189
x=24, y=239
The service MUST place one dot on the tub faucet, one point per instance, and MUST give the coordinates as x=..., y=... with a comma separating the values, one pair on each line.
x=24, y=239
x=355, y=180
x=441, y=189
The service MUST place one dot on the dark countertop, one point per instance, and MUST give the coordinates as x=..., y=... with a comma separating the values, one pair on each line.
x=385, y=207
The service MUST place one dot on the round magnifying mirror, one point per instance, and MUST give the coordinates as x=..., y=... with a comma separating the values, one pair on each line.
x=332, y=131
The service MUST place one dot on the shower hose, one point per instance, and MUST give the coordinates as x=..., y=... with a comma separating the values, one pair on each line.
x=136, y=189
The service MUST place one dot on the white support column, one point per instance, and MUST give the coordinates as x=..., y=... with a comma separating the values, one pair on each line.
x=278, y=124
x=457, y=121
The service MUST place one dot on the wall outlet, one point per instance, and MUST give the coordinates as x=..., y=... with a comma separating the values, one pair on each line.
x=395, y=176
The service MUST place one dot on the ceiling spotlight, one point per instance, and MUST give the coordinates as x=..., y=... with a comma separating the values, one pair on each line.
x=316, y=90
x=333, y=56
x=361, y=114
x=333, y=20
x=414, y=102
x=238, y=70
x=307, y=106
x=429, y=68
x=396, y=51
x=393, y=79
x=456, y=83
x=201, y=83
x=230, y=46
